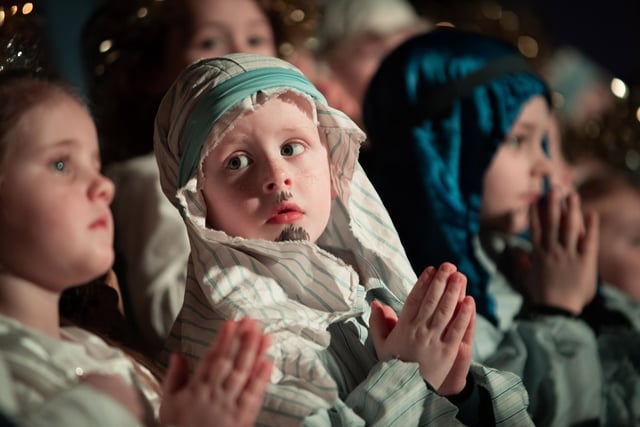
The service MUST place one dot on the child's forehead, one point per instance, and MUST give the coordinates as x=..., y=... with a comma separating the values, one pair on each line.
x=280, y=109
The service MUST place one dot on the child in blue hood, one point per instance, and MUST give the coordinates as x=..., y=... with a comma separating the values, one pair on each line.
x=458, y=125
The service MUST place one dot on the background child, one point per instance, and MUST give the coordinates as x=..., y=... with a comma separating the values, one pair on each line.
x=284, y=225
x=57, y=232
x=354, y=36
x=612, y=189
x=615, y=196
x=458, y=123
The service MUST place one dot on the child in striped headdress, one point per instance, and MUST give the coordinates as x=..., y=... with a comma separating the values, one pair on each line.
x=285, y=226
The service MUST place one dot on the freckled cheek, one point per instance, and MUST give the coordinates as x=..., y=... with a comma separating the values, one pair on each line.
x=309, y=178
x=315, y=174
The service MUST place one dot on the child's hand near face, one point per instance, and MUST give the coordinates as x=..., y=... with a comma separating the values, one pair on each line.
x=435, y=329
x=228, y=385
x=564, y=259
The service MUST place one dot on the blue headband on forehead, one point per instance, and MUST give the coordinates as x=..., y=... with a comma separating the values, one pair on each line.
x=218, y=100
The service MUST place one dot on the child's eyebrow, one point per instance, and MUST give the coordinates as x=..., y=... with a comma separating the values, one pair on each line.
x=68, y=144
x=526, y=126
x=298, y=127
x=229, y=142
x=45, y=148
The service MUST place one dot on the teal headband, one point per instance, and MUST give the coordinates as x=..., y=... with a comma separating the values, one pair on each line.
x=219, y=99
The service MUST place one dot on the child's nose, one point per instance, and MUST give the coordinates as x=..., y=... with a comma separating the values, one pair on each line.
x=102, y=188
x=543, y=166
x=276, y=178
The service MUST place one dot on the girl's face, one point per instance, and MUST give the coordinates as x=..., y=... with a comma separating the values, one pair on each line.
x=55, y=221
x=219, y=27
x=514, y=179
x=269, y=176
x=619, y=255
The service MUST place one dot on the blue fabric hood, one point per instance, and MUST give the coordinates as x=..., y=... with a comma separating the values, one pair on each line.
x=436, y=112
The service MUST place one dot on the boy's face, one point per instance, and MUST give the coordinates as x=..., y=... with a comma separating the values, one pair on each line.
x=619, y=254
x=269, y=177
x=514, y=179
x=55, y=221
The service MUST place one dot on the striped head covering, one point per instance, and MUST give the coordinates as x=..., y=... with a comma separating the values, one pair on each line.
x=295, y=289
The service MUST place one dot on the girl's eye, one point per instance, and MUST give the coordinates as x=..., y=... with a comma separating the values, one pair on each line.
x=209, y=44
x=59, y=165
x=238, y=162
x=291, y=149
x=256, y=41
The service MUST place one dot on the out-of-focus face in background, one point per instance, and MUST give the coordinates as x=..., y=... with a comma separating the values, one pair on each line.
x=211, y=28
x=619, y=255
x=355, y=35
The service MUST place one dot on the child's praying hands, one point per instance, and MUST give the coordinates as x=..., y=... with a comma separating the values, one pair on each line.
x=229, y=382
x=435, y=329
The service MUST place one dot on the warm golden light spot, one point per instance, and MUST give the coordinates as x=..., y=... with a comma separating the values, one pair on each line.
x=445, y=24
x=286, y=49
x=27, y=8
x=528, y=46
x=619, y=88
x=142, y=12
x=297, y=15
x=13, y=9
x=2, y=15
x=105, y=45
x=312, y=43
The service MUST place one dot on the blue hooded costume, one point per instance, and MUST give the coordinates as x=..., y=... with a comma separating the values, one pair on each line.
x=428, y=98
x=436, y=112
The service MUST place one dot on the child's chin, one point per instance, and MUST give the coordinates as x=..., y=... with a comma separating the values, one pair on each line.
x=103, y=262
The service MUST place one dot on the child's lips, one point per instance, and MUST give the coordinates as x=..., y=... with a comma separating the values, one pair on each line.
x=285, y=213
x=101, y=223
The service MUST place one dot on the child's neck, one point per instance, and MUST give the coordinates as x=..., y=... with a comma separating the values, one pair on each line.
x=30, y=304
